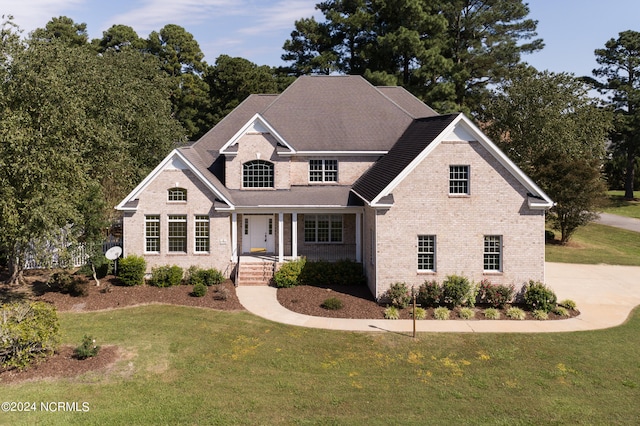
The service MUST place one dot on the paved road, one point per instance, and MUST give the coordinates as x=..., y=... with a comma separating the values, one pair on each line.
x=619, y=221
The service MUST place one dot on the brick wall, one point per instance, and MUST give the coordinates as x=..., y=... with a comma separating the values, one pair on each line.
x=497, y=205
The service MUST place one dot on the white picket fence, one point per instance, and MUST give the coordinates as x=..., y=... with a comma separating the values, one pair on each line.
x=78, y=255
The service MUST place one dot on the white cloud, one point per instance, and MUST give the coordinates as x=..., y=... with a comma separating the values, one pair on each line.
x=32, y=14
x=281, y=16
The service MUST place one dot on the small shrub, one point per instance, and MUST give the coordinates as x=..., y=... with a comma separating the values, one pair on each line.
x=420, y=313
x=207, y=277
x=221, y=293
x=199, y=290
x=166, y=276
x=561, y=311
x=398, y=295
x=539, y=314
x=131, y=270
x=496, y=295
x=87, y=348
x=539, y=296
x=429, y=294
x=456, y=290
x=492, y=313
x=64, y=282
x=289, y=273
x=569, y=304
x=332, y=304
x=28, y=330
x=392, y=312
x=441, y=313
x=466, y=313
x=515, y=313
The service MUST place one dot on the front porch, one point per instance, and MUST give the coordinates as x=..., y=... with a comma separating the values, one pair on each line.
x=284, y=236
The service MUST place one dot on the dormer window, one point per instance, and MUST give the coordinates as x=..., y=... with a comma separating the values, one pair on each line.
x=177, y=194
x=323, y=170
x=257, y=174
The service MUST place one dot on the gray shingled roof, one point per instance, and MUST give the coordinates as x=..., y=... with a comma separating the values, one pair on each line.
x=297, y=196
x=417, y=137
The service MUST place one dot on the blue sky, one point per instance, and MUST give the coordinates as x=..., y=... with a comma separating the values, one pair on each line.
x=257, y=29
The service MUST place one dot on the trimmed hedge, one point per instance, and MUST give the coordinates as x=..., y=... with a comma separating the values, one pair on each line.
x=131, y=270
x=166, y=276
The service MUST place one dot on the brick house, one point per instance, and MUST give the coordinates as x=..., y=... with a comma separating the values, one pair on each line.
x=335, y=168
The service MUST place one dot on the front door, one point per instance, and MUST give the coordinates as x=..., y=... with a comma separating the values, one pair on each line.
x=257, y=234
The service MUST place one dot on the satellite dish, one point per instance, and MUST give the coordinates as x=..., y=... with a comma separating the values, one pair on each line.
x=113, y=253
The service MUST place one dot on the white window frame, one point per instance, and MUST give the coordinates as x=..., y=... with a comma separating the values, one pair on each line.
x=323, y=170
x=426, y=253
x=492, y=253
x=177, y=195
x=459, y=179
x=202, y=234
x=258, y=174
x=173, y=221
x=152, y=236
x=315, y=231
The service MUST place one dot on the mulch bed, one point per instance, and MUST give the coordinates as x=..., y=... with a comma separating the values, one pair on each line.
x=358, y=303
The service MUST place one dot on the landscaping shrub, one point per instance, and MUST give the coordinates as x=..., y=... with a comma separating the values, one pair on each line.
x=207, y=277
x=391, y=312
x=456, y=290
x=515, y=313
x=492, y=313
x=496, y=295
x=221, y=293
x=199, y=290
x=64, y=282
x=420, y=313
x=429, y=294
x=332, y=304
x=289, y=273
x=398, y=295
x=569, y=304
x=166, y=276
x=87, y=348
x=466, y=313
x=561, y=311
x=323, y=273
x=131, y=270
x=28, y=330
x=539, y=314
x=441, y=313
x=539, y=296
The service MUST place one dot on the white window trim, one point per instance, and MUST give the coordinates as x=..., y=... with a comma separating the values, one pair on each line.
x=500, y=254
x=177, y=218
x=323, y=171
x=152, y=218
x=467, y=180
x=176, y=189
x=201, y=218
x=432, y=253
x=315, y=220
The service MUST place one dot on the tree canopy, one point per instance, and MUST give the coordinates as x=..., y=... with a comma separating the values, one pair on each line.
x=619, y=76
x=445, y=52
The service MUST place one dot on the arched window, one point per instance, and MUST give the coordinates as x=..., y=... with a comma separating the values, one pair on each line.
x=257, y=174
x=177, y=194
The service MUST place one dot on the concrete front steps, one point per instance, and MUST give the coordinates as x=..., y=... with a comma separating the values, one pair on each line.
x=255, y=273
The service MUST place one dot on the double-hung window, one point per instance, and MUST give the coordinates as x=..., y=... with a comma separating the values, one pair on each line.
x=458, y=180
x=202, y=233
x=493, y=253
x=323, y=170
x=177, y=234
x=152, y=234
x=323, y=228
x=426, y=252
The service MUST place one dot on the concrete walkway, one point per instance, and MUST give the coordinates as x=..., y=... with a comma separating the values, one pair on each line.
x=623, y=222
x=605, y=296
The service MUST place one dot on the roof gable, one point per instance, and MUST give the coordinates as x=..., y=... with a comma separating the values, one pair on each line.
x=417, y=143
x=259, y=124
x=175, y=160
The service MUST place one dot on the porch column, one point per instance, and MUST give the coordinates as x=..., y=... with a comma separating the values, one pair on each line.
x=280, y=237
x=234, y=237
x=294, y=235
x=358, y=237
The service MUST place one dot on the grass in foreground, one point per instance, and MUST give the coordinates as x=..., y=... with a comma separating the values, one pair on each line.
x=197, y=366
x=594, y=244
x=618, y=205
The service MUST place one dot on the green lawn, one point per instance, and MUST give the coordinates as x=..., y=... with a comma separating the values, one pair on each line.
x=595, y=244
x=618, y=205
x=195, y=366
